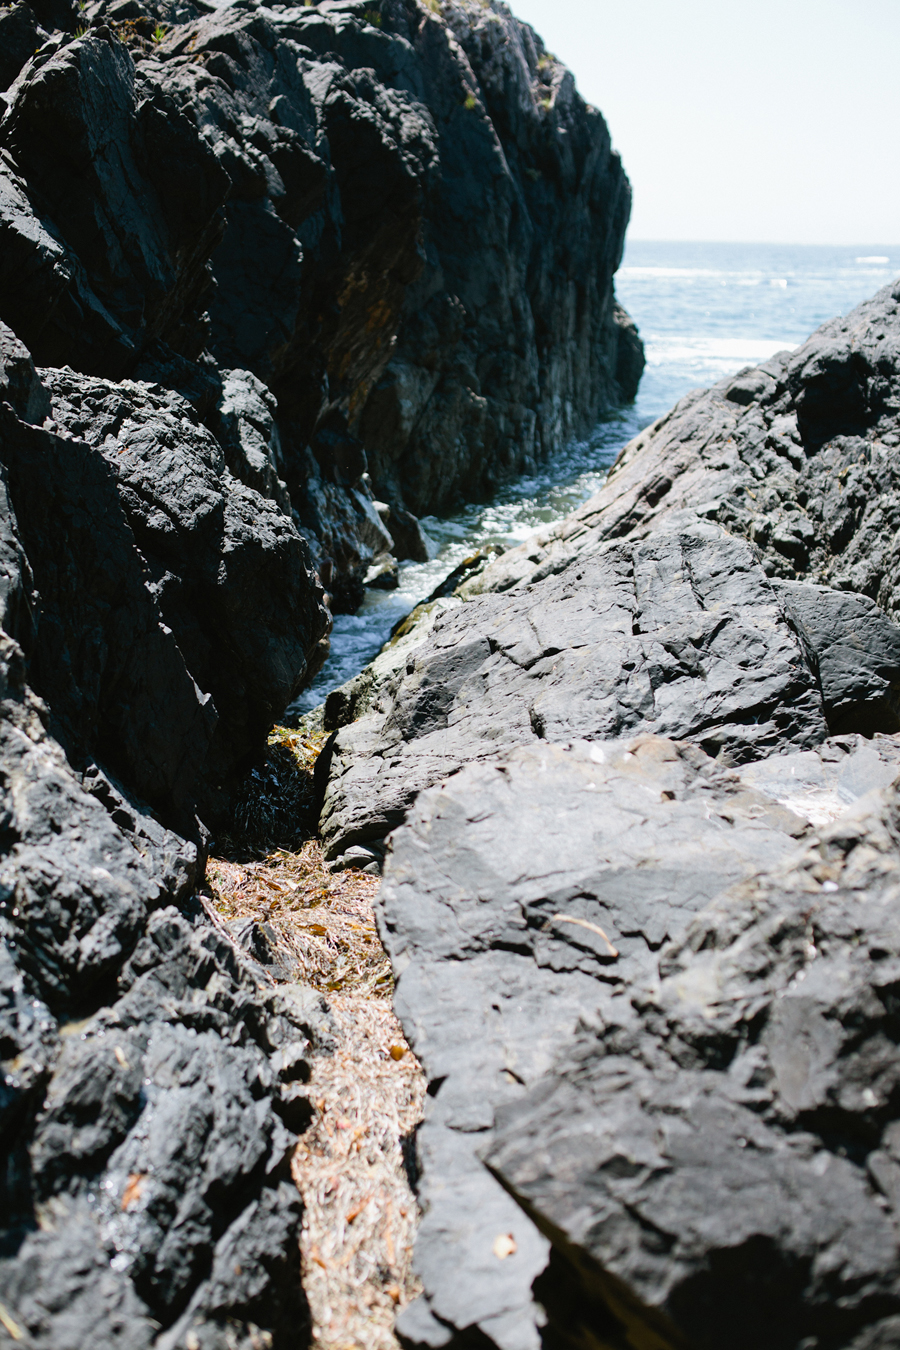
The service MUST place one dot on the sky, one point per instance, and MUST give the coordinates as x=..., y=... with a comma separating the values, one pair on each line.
x=776, y=121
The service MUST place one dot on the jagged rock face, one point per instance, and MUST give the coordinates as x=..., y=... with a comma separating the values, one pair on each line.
x=147, y=1093
x=691, y=1117
x=534, y=894
x=111, y=206
x=141, y=1097
x=511, y=342
x=406, y=225
x=721, y=1156
x=799, y=455
x=175, y=614
x=679, y=634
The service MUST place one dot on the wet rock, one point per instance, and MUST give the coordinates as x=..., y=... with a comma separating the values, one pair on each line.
x=384, y=574
x=682, y=635
x=524, y=898
x=410, y=540
x=798, y=455
x=716, y=1158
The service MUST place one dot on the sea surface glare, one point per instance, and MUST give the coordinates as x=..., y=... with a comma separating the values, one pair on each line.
x=704, y=311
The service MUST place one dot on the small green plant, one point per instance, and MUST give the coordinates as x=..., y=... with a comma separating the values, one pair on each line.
x=80, y=31
x=159, y=33
x=373, y=17
x=546, y=104
x=471, y=102
x=433, y=5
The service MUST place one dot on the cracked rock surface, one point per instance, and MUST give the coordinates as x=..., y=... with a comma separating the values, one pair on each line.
x=798, y=455
x=639, y=894
x=719, y=1156
x=525, y=898
x=681, y=634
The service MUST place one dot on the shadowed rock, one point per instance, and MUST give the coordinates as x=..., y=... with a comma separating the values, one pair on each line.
x=526, y=897
x=177, y=614
x=719, y=1157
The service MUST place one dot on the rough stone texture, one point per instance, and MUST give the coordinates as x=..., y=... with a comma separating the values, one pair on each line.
x=176, y=615
x=246, y=429
x=110, y=208
x=719, y=1159
x=680, y=634
x=404, y=223
x=710, y=1155
x=799, y=455
x=527, y=896
x=140, y=1061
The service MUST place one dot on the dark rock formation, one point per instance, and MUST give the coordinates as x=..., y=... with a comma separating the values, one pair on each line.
x=720, y=1158
x=140, y=1091
x=680, y=634
x=526, y=897
x=404, y=224
x=799, y=455
x=143, y=1117
x=176, y=615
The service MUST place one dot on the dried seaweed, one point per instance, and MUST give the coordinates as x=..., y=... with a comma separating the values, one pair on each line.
x=368, y=1095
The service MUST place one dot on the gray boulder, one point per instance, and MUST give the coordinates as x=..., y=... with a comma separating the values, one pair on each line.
x=718, y=1161
x=799, y=455
x=527, y=897
x=679, y=634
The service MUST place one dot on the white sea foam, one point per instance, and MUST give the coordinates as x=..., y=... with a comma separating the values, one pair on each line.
x=732, y=351
x=876, y=258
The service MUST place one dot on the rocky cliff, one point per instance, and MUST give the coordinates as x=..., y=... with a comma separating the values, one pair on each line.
x=257, y=265
x=640, y=890
x=399, y=221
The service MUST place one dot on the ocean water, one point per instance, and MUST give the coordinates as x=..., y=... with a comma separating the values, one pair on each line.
x=704, y=311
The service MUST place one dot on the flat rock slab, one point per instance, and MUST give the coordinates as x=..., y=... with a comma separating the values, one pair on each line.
x=718, y=1160
x=525, y=897
x=681, y=634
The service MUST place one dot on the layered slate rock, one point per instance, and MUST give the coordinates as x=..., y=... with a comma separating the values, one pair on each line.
x=679, y=634
x=527, y=897
x=718, y=1159
x=798, y=455
x=176, y=613
x=404, y=223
